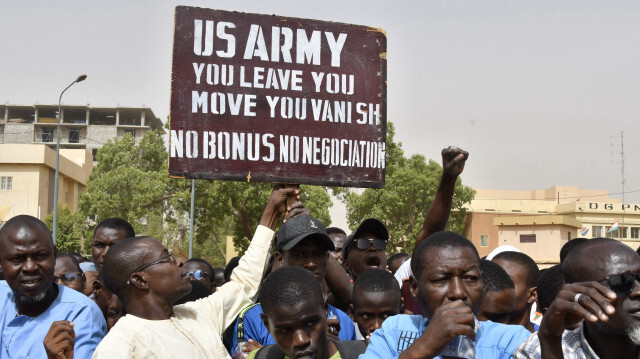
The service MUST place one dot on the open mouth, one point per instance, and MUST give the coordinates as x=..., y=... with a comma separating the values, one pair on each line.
x=373, y=262
x=305, y=354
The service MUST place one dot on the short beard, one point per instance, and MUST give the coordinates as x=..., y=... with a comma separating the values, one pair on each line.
x=33, y=298
x=634, y=334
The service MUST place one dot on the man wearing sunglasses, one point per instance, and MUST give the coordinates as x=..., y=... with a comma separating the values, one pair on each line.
x=364, y=249
x=147, y=279
x=67, y=272
x=603, y=292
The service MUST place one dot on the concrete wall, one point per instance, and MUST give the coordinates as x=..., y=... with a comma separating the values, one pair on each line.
x=33, y=170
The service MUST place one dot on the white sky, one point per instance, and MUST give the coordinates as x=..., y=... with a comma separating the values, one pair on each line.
x=534, y=90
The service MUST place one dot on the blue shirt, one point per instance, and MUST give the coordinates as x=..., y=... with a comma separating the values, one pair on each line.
x=22, y=336
x=493, y=340
x=255, y=329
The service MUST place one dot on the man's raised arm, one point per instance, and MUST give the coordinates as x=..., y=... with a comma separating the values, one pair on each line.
x=453, y=160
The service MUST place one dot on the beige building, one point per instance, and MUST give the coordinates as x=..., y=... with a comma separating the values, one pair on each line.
x=27, y=173
x=540, y=222
x=81, y=126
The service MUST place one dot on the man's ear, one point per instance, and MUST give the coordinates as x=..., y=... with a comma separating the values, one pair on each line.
x=532, y=295
x=97, y=287
x=413, y=283
x=138, y=281
x=278, y=260
x=265, y=320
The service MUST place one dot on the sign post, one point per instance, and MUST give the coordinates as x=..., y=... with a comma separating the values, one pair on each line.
x=274, y=99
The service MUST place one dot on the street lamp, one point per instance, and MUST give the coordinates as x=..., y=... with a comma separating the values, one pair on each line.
x=55, y=185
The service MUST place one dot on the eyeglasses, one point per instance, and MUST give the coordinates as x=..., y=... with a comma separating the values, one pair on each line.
x=198, y=274
x=623, y=283
x=365, y=243
x=145, y=266
x=67, y=278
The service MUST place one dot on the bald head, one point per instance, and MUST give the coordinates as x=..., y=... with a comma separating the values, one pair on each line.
x=120, y=262
x=22, y=223
x=592, y=260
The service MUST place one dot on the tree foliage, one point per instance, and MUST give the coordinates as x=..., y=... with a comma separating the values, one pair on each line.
x=130, y=181
x=411, y=184
x=69, y=232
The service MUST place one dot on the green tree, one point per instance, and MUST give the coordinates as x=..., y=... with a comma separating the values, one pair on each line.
x=69, y=232
x=234, y=208
x=130, y=181
x=411, y=184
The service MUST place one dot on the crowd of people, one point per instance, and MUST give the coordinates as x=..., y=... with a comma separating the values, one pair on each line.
x=307, y=291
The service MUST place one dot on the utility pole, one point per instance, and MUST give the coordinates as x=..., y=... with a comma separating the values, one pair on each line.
x=623, y=179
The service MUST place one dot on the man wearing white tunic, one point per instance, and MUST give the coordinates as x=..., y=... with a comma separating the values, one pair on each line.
x=147, y=279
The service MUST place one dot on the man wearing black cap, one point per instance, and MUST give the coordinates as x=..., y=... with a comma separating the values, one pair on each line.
x=302, y=242
x=364, y=249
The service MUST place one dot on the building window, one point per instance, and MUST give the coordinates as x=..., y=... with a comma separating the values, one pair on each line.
x=46, y=135
x=569, y=236
x=484, y=240
x=131, y=132
x=74, y=135
x=6, y=183
x=596, y=231
x=635, y=232
x=94, y=153
x=527, y=238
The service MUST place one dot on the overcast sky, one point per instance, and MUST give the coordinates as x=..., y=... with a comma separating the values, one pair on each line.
x=534, y=90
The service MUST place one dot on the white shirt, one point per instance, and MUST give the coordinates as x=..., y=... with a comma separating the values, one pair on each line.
x=194, y=330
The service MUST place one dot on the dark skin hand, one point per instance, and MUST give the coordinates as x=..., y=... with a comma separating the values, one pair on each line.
x=594, y=304
x=59, y=341
x=449, y=321
x=453, y=161
x=333, y=328
x=276, y=206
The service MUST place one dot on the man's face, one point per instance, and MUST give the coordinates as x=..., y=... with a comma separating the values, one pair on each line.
x=218, y=279
x=27, y=259
x=372, y=308
x=519, y=277
x=606, y=260
x=362, y=260
x=115, y=311
x=90, y=277
x=308, y=254
x=338, y=242
x=165, y=279
x=496, y=306
x=449, y=274
x=300, y=331
x=65, y=266
x=102, y=240
x=193, y=266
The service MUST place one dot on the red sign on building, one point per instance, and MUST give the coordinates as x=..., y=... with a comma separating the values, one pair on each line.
x=275, y=99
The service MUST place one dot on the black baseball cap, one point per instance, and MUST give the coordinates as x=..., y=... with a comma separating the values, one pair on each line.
x=300, y=227
x=369, y=225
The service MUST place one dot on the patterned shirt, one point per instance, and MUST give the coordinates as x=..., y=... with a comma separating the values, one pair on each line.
x=574, y=346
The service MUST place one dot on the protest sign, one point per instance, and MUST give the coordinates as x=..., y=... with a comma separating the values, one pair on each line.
x=275, y=99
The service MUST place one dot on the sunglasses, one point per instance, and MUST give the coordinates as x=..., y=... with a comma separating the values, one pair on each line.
x=145, y=266
x=66, y=278
x=365, y=243
x=623, y=283
x=198, y=274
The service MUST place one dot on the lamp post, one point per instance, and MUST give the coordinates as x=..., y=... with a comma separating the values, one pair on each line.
x=55, y=185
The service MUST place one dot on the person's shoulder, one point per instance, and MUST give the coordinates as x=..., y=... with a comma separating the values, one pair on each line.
x=68, y=295
x=405, y=322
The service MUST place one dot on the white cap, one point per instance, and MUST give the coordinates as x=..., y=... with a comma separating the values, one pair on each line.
x=501, y=249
